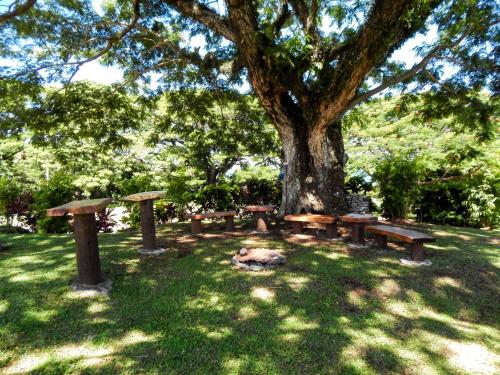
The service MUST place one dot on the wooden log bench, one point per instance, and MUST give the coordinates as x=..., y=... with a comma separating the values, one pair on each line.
x=300, y=221
x=227, y=215
x=412, y=237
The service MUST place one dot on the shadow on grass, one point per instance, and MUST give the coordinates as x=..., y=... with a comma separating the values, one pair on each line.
x=329, y=309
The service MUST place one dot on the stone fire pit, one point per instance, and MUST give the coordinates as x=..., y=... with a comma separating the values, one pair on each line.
x=257, y=259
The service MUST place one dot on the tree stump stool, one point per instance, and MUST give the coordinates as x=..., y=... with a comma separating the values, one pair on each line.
x=261, y=213
x=87, y=247
x=148, y=230
x=358, y=223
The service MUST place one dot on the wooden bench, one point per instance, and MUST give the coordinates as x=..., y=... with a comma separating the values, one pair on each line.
x=329, y=223
x=412, y=237
x=227, y=215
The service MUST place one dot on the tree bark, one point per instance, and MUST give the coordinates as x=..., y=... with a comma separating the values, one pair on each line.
x=314, y=171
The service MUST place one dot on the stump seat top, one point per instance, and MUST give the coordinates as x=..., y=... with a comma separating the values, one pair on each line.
x=211, y=215
x=311, y=218
x=144, y=196
x=405, y=235
x=260, y=208
x=87, y=206
x=358, y=218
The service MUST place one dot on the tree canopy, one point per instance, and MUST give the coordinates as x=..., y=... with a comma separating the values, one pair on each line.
x=308, y=61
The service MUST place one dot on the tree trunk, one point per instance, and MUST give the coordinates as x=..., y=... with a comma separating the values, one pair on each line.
x=314, y=171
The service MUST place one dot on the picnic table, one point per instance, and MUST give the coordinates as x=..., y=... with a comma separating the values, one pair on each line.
x=85, y=230
x=261, y=213
x=148, y=230
x=358, y=223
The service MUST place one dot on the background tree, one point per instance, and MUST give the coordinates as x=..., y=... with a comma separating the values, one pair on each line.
x=308, y=62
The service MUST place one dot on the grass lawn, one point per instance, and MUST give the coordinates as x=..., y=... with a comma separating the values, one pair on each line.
x=330, y=309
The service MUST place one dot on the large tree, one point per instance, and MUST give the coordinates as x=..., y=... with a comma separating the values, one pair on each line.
x=307, y=61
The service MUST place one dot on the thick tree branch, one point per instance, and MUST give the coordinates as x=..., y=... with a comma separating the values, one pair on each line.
x=203, y=14
x=307, y=17
x=388, y=25
x=16, y=10
x=281, y=19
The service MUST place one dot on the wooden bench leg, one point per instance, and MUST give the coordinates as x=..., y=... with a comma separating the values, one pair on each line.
x=417, y=251
x=297, y=227
x=229, y=223
x=195, y=226
x=358, y=233
x=331, y=230
x=380, y=240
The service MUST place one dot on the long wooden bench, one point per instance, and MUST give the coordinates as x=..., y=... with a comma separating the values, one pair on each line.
x=227, y=215
x=299, y=221
x=412, y=237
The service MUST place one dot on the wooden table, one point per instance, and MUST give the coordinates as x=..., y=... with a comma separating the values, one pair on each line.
x=87, y=248
x=261, y=212
x=148, y=230
x=358, y=223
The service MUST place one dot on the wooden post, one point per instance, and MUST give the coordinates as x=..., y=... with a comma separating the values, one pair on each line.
x=148, y=225
x=381, y=241
x=297, y=227
x=358, y=233
x=261, y=221
x=87, y=249
x=331, y=230
x=229, y=223
x=417, y=251
x=195, y=226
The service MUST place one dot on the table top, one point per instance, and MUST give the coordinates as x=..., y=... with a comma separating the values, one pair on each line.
x=147, y=195
x=311, y=218
x=261, y=208
x=358, y=218
x=211, y=215
x=87, y=206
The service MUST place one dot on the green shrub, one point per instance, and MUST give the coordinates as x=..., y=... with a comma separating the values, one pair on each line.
x=58, y=190
x=397, y=178
x=461, y=201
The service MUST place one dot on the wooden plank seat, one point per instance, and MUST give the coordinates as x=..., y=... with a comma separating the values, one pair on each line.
x=300, y=221
x=412, y=237
x=227, y=215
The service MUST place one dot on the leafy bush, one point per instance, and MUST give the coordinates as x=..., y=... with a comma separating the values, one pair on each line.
x=359, y=183
x=397, y=178
x=22, y=208
x=105, y=221
x=483, y=202
x=461, y=201
x=260, y=191
x=58, y=190
x=166, y=211
x=9, y=190
x=219, y=197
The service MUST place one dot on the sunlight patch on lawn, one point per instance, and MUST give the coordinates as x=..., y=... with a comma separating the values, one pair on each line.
x=4, y=305
x=263, y=294
x=297, y=283
x=296, y=323
x=218, y=333
x=447, y=281
x=473, y=358
x=247, y=312
x=97, y=307
x=85, y=354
